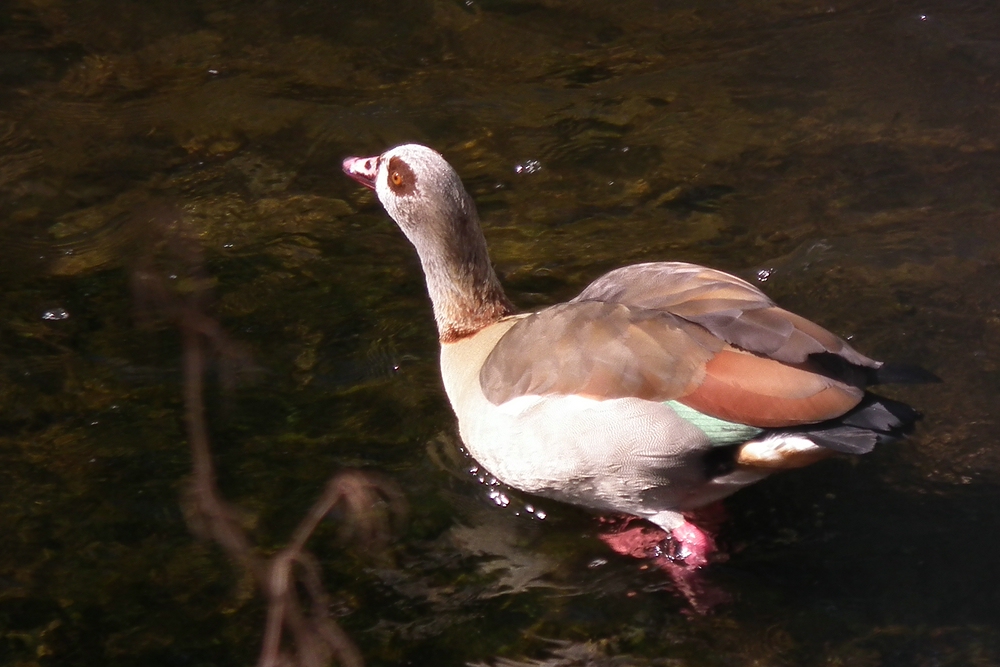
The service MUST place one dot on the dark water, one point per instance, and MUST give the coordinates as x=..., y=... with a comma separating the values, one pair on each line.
x=846, y=153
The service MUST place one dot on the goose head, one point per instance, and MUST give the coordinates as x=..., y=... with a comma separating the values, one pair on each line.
x=418, y=189
x=424, y=195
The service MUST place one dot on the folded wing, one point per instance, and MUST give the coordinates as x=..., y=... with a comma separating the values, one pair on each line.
x=671, y=331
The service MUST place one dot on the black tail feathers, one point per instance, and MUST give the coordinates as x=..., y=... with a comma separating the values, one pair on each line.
x=874, y=421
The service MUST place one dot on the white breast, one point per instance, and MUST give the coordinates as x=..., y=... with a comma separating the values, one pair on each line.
x=603, y=454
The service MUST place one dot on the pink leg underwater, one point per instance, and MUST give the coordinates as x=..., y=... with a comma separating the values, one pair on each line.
x=630, y=536
x=681, y=553
x=693, y=545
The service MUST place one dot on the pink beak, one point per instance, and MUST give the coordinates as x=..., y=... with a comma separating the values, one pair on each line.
x=362, y=169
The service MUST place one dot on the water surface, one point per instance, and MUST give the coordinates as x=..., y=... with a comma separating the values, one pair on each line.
x=843, y=154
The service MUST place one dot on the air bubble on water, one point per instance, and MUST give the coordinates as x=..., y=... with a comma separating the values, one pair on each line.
x=55, y=314
x=528, y=167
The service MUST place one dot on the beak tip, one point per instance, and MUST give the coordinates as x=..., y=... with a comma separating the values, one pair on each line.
x=362, y=170
x=348, y=164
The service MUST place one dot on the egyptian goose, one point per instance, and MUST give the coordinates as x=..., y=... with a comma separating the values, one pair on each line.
x=661, y=388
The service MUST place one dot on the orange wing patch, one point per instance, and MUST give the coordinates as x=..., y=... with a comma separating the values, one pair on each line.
x=742, y=387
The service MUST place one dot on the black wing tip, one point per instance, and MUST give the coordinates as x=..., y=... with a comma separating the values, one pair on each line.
x=893, y=373
x=840, y=369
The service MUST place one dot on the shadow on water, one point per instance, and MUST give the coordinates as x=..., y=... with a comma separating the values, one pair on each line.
x=843, y=155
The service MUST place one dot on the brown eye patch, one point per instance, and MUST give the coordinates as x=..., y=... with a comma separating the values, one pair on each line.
x=402, y=180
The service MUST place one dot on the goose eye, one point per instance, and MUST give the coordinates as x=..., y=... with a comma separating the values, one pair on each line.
x=400, y=178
